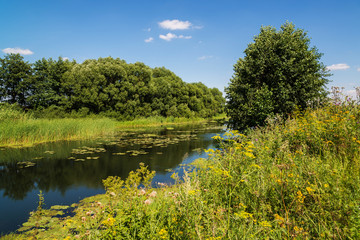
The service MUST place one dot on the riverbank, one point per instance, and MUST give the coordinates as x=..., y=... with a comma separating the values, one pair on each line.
x=21, y=130
x=294, y=180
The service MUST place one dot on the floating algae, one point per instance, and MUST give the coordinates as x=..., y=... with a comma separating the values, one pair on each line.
x=50, y=152
x=136, y=152
x=26, y=164
x=79, y=160
x=119, y=153
x=87, y=150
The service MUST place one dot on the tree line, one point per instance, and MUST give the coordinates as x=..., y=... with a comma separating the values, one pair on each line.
x=106, y=86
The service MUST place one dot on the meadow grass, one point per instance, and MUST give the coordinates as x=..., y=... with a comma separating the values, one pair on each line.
x=19, y=129
x=298, y=180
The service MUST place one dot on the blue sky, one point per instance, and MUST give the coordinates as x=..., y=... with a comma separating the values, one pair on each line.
x=199, y=40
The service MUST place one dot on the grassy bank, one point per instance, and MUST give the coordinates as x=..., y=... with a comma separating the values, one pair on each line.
x=298, y=180
x=19, y=129
x=27, y=132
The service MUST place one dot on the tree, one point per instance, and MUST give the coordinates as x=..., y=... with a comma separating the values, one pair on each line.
x=280, y=71
x=15, y=77
x=46, y=86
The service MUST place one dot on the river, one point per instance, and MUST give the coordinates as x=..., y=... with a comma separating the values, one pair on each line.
x=68, y=171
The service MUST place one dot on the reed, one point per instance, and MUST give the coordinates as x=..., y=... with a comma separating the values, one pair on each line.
x=27, y=131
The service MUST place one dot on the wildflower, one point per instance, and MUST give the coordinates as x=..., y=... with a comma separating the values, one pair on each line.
x=255, y=166
x=300, y=196
x=148, y=201
x=83, y=219
x=142, y=192
x=112, y=194
x=162, y=184
x=310, y=190
x=265, y=224
x=153, y=194
x=244, y=215
x=163, y=233
x=326, y=185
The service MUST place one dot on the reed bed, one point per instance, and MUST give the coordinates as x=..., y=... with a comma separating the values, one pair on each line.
x=27, y=132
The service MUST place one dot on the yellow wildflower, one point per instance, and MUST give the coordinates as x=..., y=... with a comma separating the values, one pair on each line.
x=265, y=224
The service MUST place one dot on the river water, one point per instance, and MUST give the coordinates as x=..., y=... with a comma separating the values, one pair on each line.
x=69, y=171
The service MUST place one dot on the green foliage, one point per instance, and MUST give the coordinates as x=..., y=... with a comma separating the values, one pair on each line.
x=46, y=87
x=280, y=71
x=15, y=78
x=106, y=86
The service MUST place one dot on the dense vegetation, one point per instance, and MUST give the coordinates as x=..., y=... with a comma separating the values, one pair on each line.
x=18, y=128
x=106, y=86
x=279, y=73
x=295, y=180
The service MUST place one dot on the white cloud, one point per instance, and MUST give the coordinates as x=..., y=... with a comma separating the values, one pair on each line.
x=149, y=29
x=65, y=58
x=358, y=69
x=175, y=24
x=339, y=66
x=18, y=50
x=150, y=39
x=202, y=58
x=185, y=37
x=170, y=36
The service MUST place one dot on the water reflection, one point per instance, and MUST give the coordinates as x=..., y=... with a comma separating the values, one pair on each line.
x=65, y=171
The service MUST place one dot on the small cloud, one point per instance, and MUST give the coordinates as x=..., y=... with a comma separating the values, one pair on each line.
x=358, y=69
x=170, y=36
x=18, y=50
x=150, y=39
x=149, y=29
x=65, y=58
x=175, y=24
x=185, y=37
x=202, y=58
x=339, y=66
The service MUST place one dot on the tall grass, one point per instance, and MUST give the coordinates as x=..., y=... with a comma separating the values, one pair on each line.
x=20, y=129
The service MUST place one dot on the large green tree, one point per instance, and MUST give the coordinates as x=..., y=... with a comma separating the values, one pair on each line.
x=15, y=77
x=46, y=85
x=280, y=71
